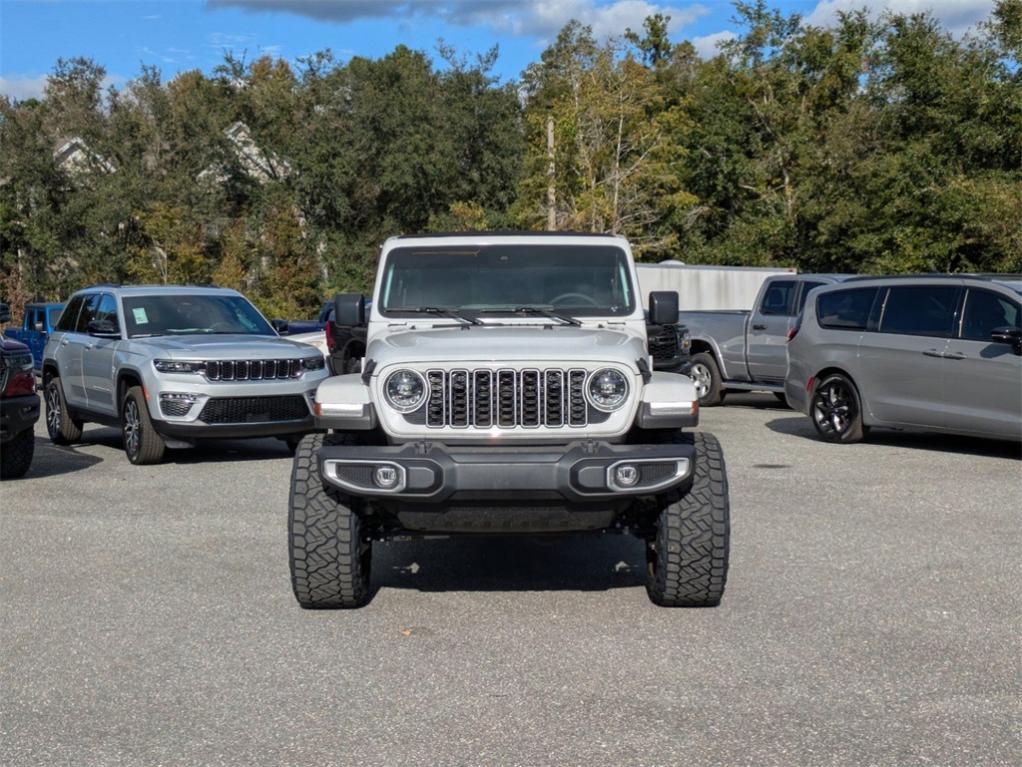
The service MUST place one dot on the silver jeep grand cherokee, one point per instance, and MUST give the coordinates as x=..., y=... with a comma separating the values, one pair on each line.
x=172, y=365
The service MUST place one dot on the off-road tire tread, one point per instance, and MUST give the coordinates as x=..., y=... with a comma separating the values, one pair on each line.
x=324, y=535
x=70, y=429
x=151, y=447
x=16, y=455
x=693, y=532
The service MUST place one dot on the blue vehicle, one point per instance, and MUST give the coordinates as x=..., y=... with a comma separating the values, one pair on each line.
x=36, y=325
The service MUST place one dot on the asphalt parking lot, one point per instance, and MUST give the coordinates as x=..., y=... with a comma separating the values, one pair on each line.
x=873, y=616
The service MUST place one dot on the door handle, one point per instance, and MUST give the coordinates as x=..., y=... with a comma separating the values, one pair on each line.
x=64, y=342
x=90, y=346
x=954, y=356
x=932, y=353
x=759, y=327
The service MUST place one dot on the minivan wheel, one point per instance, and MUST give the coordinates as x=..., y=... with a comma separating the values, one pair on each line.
x=836, y=411
x=62, y=428
x=706, y=376
x=142, y=444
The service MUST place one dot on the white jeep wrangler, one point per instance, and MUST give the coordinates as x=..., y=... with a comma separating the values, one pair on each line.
x=507, y=388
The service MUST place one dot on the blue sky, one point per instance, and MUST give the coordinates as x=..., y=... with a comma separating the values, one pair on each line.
x=180, y=35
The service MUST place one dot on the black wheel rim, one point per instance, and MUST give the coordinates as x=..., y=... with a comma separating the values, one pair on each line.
x=132, y=427
x=834, y=407
x=52, y=410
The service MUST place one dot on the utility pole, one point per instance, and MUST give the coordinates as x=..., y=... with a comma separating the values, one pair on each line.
x=551, y=190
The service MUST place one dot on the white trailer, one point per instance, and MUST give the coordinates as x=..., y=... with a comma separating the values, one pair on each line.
x=706, y=287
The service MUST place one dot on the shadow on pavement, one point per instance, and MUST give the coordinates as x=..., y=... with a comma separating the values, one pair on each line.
x=51, y=461
x=800, y=426
x=584, y=562
x=207, y=451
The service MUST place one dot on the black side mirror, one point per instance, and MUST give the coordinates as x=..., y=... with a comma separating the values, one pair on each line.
x=5, y=313
x=663, y=307
x=279, y=325
x=39, y=326
x=1008, y=335
x=103, y=329
x=350, y=309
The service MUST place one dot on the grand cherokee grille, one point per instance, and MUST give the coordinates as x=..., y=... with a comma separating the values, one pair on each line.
x=254, y=409
x=507, y=398
x=252, y=370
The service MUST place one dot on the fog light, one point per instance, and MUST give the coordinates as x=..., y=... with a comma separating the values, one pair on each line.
x=626, y=475
x=386, y=477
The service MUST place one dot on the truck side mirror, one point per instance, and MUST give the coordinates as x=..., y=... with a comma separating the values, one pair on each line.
x=39, y=326
x=279, y=325
x=663, y=307
x=350, y=309
x=1008, y=335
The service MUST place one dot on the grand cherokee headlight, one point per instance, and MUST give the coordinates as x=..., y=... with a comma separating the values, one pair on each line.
x=405, y=390
x=179, y=366
x=607, y=389
x=313, y=363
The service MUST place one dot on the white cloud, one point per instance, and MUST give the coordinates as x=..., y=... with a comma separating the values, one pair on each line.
x=957, y=15
x=537, y=18
x=23, y=87
x=706, y=45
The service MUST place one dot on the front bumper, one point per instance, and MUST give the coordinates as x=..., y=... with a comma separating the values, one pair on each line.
x=17, y=414
x=577, y=473
x=192, y=430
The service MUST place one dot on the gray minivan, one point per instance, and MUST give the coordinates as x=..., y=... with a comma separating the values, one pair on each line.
x=940, y=353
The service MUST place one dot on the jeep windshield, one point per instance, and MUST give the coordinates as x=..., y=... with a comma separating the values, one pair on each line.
x=511, y=280
x=198, y=314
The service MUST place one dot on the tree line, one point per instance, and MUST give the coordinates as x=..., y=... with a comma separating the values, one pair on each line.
x=874, y=145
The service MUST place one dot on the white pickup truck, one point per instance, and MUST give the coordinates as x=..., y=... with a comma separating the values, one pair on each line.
x=743, y=350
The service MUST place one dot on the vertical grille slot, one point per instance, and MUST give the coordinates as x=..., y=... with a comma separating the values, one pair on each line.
x=458, y=389
x=554, y=397
x=529, y=405
x=576, y=398
x=506, y=390
x=435, y=410
x=482, y=381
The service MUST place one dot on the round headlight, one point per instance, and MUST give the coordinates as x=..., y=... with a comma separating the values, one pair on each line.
x=608, y=389
x=405, y=390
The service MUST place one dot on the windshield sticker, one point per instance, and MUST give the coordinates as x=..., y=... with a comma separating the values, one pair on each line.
x=140, y=316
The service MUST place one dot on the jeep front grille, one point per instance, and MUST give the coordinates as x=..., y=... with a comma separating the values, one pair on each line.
x=507, y=398
x=252, y=370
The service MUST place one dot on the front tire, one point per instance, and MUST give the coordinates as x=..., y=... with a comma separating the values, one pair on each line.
x=16, y=455
x=62, y=428
x=688, y=555
x=836, y=411
x=329, y=552
x=142, y=444
x=705, y=374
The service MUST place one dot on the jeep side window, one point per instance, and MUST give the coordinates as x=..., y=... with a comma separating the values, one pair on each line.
x=845, y=309
x=107, y=310
x=69, y=317
x=920, y=310
x=986, y=310
x=778, y=298
x=88, y=313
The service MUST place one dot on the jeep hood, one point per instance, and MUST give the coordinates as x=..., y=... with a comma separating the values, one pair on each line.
x=234, y=347
x=514, y=344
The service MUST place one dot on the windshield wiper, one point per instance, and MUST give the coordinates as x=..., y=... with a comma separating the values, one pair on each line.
x=567, y=319
x=438, y=311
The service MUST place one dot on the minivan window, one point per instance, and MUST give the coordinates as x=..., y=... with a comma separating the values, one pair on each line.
x=986, y=310
x=69, y=317
x=88, y=313
x=845, y=309
x=778, y=298
x=920, y=310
